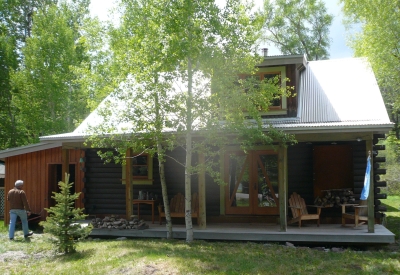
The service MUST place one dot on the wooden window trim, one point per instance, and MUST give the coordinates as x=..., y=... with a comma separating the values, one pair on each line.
x=141, y=180
x=275, y=110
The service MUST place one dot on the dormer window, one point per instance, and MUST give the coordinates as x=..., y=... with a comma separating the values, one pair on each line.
x=278, y=105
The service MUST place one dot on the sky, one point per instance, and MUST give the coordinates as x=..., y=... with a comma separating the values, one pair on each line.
x=338, y=47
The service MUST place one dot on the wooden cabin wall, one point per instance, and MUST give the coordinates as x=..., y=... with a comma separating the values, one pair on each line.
x=34, y=169
x=292, y=101
x=104, y=190
x=359, y=164
x=104, y=193
x=300, y=171
x=175, y=177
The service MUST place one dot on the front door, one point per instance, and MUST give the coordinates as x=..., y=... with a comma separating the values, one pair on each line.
x=252, y=183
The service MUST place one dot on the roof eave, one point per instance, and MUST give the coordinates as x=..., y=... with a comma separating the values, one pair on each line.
x=378, y=128
x=28, y=149
x=280, y=60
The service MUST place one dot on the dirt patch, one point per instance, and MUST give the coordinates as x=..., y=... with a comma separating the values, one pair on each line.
x=9, y=256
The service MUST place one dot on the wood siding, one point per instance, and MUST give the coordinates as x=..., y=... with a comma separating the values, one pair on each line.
x=38, y=170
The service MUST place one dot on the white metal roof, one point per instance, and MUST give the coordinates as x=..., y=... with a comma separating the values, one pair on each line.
x=337, y=94
x=340, y=90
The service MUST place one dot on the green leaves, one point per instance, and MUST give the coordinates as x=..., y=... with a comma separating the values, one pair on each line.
x=298, y=27
x=378, y=39
x=62, y=221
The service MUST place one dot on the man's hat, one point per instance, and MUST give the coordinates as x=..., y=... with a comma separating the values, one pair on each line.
x=19, y=183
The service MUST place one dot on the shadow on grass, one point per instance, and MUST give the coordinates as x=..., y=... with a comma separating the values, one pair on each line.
x=390, y=208
x=393, y=224
x=77, y=256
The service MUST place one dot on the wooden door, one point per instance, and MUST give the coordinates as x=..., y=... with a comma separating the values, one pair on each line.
x=252, y=183
x=333, y=168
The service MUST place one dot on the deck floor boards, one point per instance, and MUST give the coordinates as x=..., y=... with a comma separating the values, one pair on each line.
x=259, y=232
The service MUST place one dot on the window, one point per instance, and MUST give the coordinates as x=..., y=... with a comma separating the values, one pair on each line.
x=142, y=170
x=279, y=105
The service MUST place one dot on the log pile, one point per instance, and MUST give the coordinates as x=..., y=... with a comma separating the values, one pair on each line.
x=115, y=222
x=335, y=197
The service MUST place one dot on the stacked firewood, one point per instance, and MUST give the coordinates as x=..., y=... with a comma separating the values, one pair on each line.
x=335, y=197
x=115, y=222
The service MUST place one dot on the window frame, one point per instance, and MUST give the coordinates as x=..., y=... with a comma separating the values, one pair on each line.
x=141, y=180
x=281, y=70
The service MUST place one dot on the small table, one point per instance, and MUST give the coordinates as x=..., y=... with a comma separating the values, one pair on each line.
x=150, y=202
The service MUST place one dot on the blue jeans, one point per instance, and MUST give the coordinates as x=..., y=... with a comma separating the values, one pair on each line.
x=21, y=213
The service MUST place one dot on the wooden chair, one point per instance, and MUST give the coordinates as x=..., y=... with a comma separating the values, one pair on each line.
x=177, y=207
x=359, y=214
x=299, y=210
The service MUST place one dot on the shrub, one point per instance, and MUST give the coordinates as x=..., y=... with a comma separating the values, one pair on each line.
x=63, y=218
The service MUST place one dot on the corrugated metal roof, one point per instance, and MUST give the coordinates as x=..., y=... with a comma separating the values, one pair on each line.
x=340, y=90
x=333, y=94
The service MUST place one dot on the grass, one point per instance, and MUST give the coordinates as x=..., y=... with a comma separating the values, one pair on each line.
x=392, y=204
x=156, y=256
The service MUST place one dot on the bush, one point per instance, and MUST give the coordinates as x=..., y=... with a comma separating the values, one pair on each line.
x=63, y=218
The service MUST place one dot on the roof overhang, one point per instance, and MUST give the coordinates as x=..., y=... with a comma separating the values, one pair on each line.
x=340, y=128
x=279, y=60
x=29, y=149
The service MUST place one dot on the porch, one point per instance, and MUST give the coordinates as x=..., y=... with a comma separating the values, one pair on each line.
x=327, y=234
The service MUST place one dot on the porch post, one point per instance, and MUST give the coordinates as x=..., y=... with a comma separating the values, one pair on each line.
x=202, y=194
x=283, y=186
x=64, y=163
x=370, y=200
x=128, y=184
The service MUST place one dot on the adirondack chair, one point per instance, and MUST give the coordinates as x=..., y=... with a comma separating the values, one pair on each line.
x=360, y=213
x=177, y=207
x=299, y=210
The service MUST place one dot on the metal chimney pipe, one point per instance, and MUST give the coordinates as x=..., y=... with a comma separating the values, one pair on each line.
x=265, y=52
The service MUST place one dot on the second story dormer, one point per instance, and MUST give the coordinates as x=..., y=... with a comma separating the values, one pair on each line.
x=286, y=67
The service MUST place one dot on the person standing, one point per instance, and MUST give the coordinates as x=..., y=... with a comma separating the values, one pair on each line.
x=19, y=206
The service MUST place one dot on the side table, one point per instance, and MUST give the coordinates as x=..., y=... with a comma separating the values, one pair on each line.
x=149, y=202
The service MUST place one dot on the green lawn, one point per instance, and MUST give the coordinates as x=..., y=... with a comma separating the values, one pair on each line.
x=392, y=204
x=155, y=256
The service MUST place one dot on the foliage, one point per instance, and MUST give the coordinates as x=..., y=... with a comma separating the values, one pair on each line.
x=177, y=64
x=391, y=165
x=378, y=40
x=298, y=27
x=48, y=100
x=62, y=222
x=48, y=51
x=15, y=27
x=8, y=63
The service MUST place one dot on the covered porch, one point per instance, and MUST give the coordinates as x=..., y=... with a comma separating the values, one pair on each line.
x=325, y=234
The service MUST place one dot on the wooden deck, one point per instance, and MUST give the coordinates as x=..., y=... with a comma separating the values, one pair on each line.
x=328, y=234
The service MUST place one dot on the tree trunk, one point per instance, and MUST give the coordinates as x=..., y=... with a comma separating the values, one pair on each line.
x=168, y=221
x=188, y=164
x=161, y=160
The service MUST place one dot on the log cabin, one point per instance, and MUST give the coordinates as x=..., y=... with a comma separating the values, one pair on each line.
x=337, y=117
